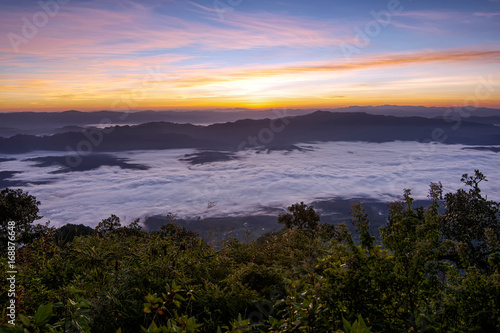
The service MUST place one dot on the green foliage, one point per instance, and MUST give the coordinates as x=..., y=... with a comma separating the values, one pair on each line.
x=238, y=325
x=471, y=222
x=178, y=234
x=19, y=207
x=39, y=322
x=362, y=224
x=301, y=216
x=164, y=309
x=358, y=326
x=67, y=233
x=303, y=309
x=108, y=226
x=436, y=269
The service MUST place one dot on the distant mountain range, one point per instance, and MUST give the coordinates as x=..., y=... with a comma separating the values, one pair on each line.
x=43, y=123
x=275, y=134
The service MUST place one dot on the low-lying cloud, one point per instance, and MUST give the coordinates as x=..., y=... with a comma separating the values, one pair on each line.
x=251, y=184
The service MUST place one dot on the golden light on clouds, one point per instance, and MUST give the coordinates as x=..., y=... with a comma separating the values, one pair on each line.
x=94, y=56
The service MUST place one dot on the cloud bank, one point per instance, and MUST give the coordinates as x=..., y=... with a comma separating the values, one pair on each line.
x=251, y=184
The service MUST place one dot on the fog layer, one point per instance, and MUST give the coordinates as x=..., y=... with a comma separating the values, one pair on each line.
x=253, y=183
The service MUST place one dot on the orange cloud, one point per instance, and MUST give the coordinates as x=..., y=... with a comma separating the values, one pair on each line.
x=375, y=62
x=90, y=58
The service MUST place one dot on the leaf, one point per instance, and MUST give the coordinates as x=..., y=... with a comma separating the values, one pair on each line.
x=361, y=322
x=43, y=315
x=25, y=320
x=347, y=325
x=11, y=329
x=58, y=305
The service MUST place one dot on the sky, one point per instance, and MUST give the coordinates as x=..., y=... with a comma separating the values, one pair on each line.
x=208, y=54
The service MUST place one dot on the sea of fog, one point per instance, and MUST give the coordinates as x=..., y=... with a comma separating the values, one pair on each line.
x=253, y=184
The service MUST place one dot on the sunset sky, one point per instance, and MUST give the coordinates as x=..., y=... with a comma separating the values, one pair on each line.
x=206, y=54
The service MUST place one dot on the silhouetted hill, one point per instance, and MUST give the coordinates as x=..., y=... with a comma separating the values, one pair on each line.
x=486, y=120
x=317, y=126
x=419, y=111
x=45, y=123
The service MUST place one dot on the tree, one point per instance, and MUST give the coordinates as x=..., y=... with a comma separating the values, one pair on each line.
x=470, y=220
x=362, y=225
x=302, y=217
x=108, y=226
x=412, y=235
x=22, y=209
x=66, y=233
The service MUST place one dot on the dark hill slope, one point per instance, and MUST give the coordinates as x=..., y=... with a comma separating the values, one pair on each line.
x=317, y=126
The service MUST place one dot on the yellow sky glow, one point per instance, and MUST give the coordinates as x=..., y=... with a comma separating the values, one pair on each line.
x=136, y=59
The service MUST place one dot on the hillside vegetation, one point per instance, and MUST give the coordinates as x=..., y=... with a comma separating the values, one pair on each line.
x=435, y=270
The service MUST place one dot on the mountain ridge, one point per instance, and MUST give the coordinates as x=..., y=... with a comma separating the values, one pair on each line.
x=319, y=126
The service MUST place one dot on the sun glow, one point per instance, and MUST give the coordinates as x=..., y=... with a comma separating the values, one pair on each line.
x=259, y=60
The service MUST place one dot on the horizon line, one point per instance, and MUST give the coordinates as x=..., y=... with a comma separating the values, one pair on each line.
x=257, y=109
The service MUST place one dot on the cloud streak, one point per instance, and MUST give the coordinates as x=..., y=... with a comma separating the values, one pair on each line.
x=91, y=53
x=384, y=61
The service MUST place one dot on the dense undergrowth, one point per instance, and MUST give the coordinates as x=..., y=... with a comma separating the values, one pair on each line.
x=436, y=270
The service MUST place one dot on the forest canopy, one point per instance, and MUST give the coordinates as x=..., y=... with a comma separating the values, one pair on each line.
x=431, y=269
